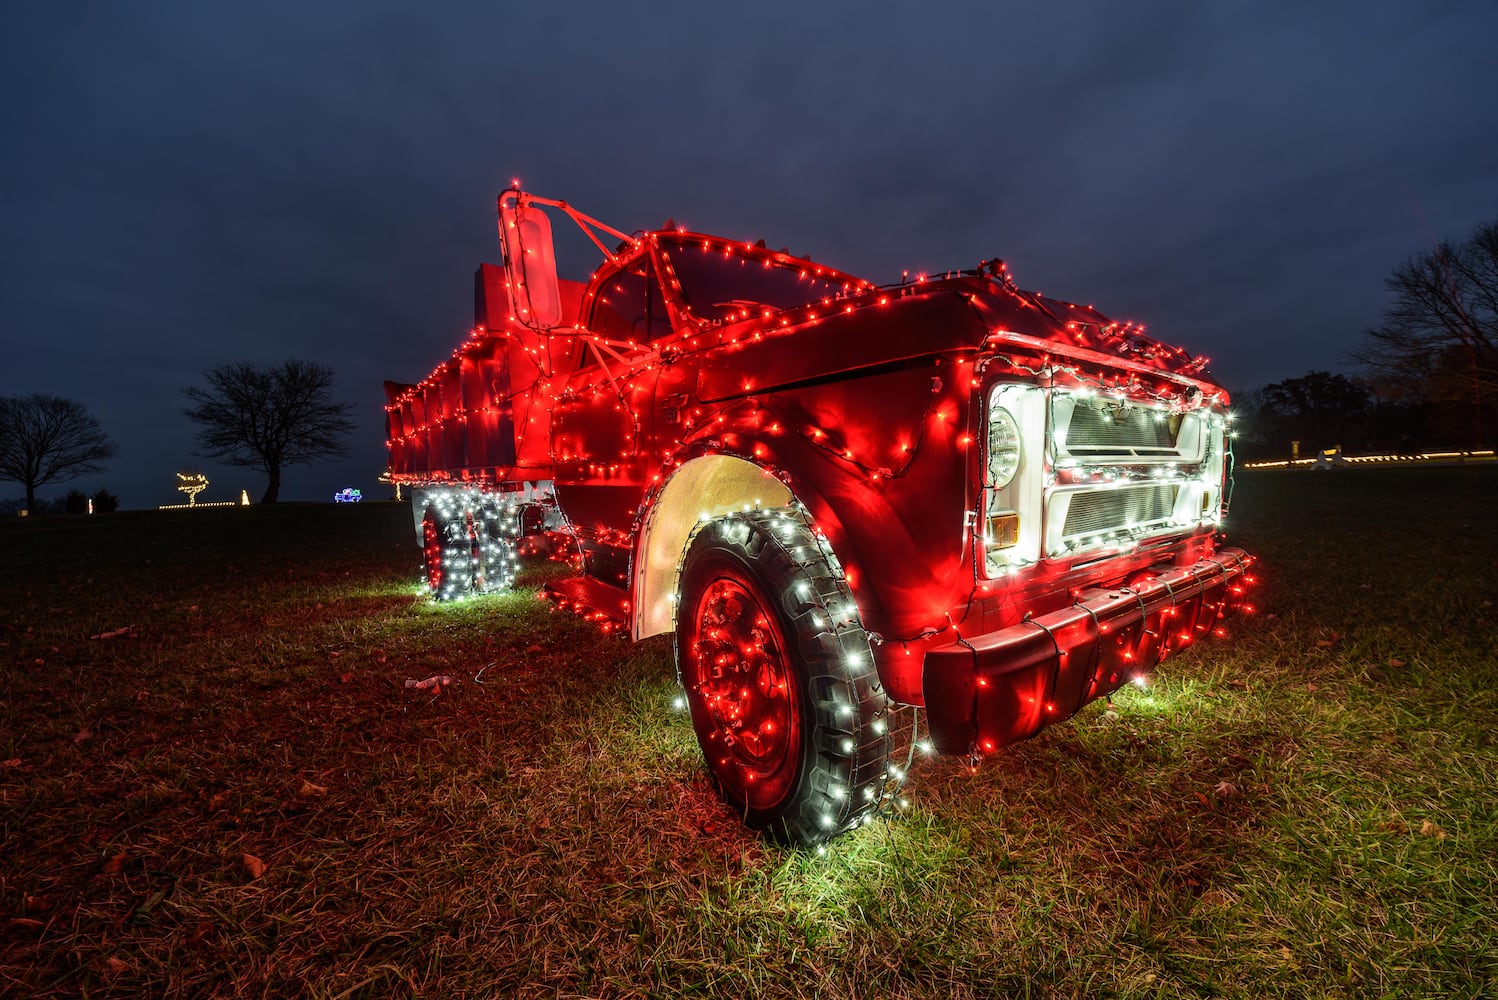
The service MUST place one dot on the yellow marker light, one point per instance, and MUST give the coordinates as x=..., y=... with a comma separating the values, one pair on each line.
x=1003, y=531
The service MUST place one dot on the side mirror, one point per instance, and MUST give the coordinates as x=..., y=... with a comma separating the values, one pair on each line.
x=530, y=261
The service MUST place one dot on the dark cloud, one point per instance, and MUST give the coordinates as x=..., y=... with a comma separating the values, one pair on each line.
x=186, y=184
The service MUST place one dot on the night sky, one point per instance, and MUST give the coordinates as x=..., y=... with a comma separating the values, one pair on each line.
x=189, y=184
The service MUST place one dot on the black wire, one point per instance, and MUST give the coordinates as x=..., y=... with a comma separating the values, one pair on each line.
x=1050, y=693
x=1097, y=650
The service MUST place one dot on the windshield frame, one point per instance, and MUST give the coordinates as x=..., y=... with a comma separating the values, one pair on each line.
x=676, y=252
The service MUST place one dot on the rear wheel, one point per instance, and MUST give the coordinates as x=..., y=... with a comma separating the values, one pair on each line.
x=468, y=548
x=498, y=550
x=783, y=692
x=431, y=551
x=448, y=552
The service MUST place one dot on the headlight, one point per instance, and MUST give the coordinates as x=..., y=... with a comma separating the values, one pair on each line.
x=1003, y=447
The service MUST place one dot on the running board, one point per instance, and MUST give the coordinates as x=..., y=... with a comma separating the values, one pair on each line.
x=592, y=599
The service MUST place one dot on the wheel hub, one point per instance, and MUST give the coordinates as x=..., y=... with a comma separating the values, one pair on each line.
x=743, y=692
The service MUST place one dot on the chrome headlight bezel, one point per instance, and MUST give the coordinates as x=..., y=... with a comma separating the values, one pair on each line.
x=1005, y=447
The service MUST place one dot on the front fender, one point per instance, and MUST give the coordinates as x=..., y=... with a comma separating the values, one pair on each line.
x=882, y=463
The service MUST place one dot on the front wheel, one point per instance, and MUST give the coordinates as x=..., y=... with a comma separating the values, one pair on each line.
x=783, y=691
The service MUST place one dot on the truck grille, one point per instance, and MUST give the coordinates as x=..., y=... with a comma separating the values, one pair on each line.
x=1102, y=429
x=1104, y=512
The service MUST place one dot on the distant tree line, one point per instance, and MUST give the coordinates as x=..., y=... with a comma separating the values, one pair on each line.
x=264, y=418
x=1429, y=375
x=76, y=502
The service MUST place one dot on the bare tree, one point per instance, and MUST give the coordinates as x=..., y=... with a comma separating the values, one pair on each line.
x=1439, y=339
x=269, y=418
x=46, y=439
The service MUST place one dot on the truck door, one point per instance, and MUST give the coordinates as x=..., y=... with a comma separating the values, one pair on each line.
x=603, y=425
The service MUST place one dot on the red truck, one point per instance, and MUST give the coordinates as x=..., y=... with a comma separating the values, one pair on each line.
x=948, y=497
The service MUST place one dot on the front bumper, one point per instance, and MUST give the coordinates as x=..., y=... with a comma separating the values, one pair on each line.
x=990, y=690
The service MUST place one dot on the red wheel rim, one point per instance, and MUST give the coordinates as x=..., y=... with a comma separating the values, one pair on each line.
x=743, y=694
x=431, y=544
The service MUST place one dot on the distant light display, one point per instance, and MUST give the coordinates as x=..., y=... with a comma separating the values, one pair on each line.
x=1423, y=458
x=193, y=483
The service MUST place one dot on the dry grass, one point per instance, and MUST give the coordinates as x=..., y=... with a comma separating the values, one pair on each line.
x=1307, y=811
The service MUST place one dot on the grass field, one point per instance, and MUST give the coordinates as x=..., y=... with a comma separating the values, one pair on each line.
x=239, y=797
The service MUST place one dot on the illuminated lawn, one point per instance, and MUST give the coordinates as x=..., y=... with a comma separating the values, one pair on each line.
x=1309, y=809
